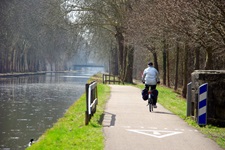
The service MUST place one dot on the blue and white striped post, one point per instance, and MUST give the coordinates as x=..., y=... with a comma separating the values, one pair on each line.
x=202, y=104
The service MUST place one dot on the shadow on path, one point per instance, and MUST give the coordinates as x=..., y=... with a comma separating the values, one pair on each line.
x=164, y=113
x=107, y=119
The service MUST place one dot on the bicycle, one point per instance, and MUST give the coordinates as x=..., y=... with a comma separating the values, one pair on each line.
x=150, y=95
x=150, y=101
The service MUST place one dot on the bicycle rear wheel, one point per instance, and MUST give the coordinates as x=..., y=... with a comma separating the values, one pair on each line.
x=150, y=104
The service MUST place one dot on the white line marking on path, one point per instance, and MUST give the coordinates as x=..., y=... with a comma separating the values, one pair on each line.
x=156, y=133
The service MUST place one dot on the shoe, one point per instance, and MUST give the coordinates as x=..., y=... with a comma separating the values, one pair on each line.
x=155, y=106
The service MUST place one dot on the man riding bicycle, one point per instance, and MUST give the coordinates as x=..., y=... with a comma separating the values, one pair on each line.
x=150, y=78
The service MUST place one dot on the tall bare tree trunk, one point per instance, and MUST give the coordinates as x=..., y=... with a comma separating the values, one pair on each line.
x=155, y=60
x=14, y=60
x=209, y=59
x=197, y=56
x=154, y=54
x=184, y=90
x=25, y=60
x=10, y=59
x=164, y=62
x=177, y=66
x=125, y=57
x=130, y=57
x=6, y=63
x=25, y=51
x=120, y=40
x=114, y=61
x=168, y=68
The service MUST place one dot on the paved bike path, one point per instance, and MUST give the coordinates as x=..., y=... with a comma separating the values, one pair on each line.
x=128, y=125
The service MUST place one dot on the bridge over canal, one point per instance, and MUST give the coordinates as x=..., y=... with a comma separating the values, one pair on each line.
x=80, y=66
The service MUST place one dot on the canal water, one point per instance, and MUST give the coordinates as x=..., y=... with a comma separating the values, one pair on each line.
x=29, y=105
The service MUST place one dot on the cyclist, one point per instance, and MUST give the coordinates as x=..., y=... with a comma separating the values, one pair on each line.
x=150, y=78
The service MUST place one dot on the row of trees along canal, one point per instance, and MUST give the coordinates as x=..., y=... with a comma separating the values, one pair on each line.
x=178, y=36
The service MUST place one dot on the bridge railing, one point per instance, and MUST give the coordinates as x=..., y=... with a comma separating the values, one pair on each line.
x=91, y=101
x=107, y=78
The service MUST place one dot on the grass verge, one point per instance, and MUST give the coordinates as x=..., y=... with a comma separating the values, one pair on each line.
x=70, y=133
x=176, y=104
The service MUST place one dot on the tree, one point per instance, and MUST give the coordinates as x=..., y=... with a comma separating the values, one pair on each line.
x=34, y=34
x=108, y=15
x=198, y=25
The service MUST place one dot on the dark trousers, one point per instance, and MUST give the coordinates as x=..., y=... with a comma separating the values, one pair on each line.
x=153, y=87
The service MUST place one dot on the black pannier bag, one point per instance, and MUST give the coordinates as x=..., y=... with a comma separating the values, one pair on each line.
x=154, y=95
x=144, y=94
